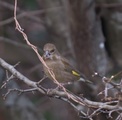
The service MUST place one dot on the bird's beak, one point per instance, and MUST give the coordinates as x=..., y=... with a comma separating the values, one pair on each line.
x=46, y=54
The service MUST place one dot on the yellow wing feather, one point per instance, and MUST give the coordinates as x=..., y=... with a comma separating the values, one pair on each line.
x=75, y=73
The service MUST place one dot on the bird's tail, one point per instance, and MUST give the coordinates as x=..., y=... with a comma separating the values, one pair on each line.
x=84, y=80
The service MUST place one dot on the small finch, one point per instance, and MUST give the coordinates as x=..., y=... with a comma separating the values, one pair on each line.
x=64, y=72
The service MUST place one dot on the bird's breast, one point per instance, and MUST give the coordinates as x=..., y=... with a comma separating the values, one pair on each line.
x=60, y=72
x=55, y=66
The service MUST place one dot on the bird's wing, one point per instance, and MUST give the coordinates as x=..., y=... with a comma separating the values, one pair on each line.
x=70, y=68
x=73, y=71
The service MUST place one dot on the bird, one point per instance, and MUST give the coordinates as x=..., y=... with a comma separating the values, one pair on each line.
x=61, y=67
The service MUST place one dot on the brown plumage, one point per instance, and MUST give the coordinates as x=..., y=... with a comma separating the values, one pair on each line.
x=61, y=67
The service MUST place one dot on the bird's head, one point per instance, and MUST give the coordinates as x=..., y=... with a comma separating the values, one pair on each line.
x=50, y=51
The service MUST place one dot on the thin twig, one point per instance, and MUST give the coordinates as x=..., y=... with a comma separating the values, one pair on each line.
x=18, y=90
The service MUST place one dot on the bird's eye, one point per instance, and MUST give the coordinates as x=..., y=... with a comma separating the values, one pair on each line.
x=52, y=50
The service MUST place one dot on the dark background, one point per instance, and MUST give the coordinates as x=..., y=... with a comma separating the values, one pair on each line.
x=87, y=32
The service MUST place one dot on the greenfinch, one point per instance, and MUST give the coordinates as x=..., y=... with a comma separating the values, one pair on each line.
x=64, y=72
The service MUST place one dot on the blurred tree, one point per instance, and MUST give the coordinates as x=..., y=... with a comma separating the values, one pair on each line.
x=75, y=27
x=88, y=38
x=112, y=24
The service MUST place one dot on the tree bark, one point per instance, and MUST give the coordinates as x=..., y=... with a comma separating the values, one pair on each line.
x=88, y=38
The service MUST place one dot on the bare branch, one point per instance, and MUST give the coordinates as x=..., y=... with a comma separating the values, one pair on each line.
x=18, y=75
x=65, y=96
x=12, y=42
x=5, y=83
x=11, y=7
x=31, y=14
x=18, y=90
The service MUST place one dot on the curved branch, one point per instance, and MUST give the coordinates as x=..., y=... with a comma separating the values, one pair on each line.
x=59, y=94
